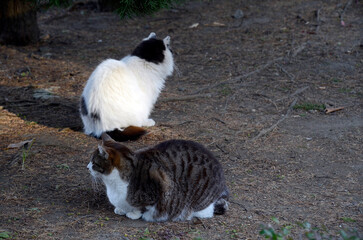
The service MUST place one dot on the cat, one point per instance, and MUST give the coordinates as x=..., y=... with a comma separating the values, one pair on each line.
x=175, y=180
x=120, y=94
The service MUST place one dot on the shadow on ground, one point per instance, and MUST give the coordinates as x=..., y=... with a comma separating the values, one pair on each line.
x=41, y=106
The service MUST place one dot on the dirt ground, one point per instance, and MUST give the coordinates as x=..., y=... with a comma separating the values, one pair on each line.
x=238, y=88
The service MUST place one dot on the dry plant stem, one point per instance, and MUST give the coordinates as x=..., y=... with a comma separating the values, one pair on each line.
x=267, y=130
x=236, y=79
x=240, y=77
x=297, y=50
x=345, y=9
x=200, y=221
x=186, y=98
x=298, y=91
x=317, y=20
x=291, y=76
x=239, y=204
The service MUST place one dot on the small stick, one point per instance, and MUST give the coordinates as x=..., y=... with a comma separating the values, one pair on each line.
x=220, y=148
x=317, y=20
x=298, y=91
x=239, y=204
x=265, y=131
x=240, y=77
x=186, y=98
x=343, y=12
x=200, y=221
x=291, y=76
x=298, y=50
x=218, y=120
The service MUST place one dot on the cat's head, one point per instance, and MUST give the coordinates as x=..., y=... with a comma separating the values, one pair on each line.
x=110, y=155
x=156, y=51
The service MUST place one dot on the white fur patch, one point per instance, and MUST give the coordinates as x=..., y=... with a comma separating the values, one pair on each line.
x=150, y=213
x=123, y=93
x=135, y=214
x=205, y=213
x=116, y=190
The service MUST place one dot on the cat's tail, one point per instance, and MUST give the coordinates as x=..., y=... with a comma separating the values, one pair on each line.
x=221, y=205
x=131, y=133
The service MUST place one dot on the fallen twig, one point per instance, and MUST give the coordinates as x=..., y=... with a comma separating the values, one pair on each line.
x=317, y=20
x=171, y=125
x=297, y=50
x=239, y=204
x=240, y=77
x=20, y=144
x=298, y=91
x=219, y=120
x=265, y=131
x=291, y=76
x=186, y=98
x=343, y=12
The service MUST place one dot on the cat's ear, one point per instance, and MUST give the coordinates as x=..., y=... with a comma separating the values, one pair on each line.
x=151, y=35
x=106, y=138
x=166, y=40
x=102, y=151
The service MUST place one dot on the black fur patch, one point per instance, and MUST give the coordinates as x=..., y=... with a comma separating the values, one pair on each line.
x=151, y=50
x=219, y=209
x=95, y=116
x=84, y=110
x=127, y=134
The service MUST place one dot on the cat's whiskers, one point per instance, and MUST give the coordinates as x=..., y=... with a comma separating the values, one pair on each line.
x=96, y=182
x=177, y=70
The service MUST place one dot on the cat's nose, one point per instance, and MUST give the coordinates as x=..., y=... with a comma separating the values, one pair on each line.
x=89, y=166
x=152, y=35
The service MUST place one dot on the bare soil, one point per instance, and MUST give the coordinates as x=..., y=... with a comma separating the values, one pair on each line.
x=237, y=82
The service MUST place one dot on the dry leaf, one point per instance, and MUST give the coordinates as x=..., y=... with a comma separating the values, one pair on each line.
x=194, y=25
x=330, y=110
x=218, y=24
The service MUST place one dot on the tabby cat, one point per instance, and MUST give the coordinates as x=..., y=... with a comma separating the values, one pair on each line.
x=175, y=180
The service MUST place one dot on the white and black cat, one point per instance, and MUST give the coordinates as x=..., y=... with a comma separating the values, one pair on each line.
x=122, y=93
x=175, y=180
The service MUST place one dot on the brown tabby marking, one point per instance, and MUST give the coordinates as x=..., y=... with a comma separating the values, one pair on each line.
x=176, y=177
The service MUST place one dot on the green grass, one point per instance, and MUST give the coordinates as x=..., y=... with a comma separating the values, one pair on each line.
x=25, y=153
x=345, y=90
x=336, y=80
x=5, y=235
x=348, y=219
x=305, y=231
x=63, y=166
x=310, y=106
x=226, y=91
x=132, y=8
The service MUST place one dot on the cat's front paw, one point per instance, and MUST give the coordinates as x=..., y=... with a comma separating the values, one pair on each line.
x=149, y=123
x=119, y=211
x=135, y=214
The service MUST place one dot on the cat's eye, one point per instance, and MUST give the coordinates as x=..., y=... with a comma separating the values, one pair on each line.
x=96, y=164
x=97, y=168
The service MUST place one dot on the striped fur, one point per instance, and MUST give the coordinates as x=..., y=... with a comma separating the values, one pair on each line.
x=175, y=180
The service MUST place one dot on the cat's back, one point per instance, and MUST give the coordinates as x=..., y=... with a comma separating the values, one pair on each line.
x=183, y=147
x=107, y=69
x=184, y=158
